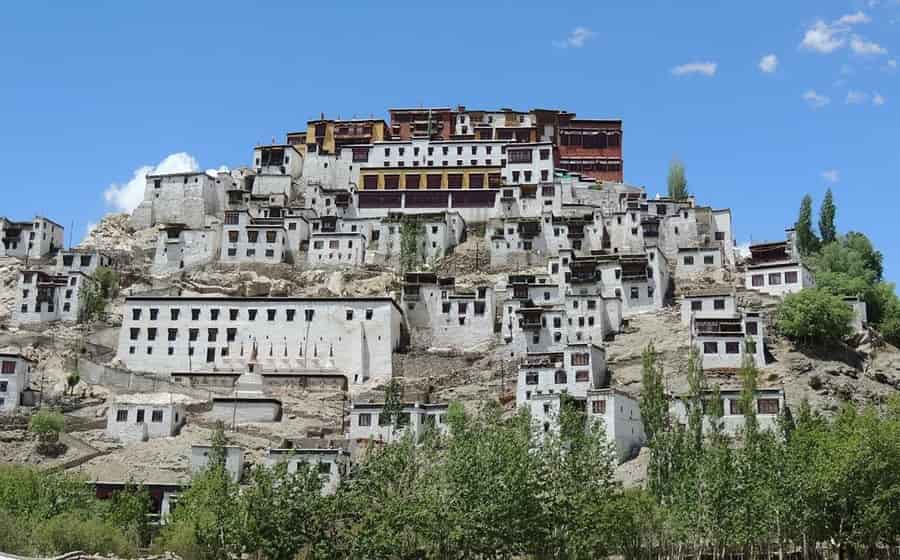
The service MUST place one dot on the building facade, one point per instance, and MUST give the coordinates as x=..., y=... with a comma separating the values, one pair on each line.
x=33, y=240
x=15, y=377
x=452, y=317
x=355, y=336
x=139, y=417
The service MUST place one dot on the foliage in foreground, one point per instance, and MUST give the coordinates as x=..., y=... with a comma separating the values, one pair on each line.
x=814, y=316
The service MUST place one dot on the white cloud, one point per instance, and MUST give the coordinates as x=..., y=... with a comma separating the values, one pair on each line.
x=853, y=19
x=822, y=38
x=743, y=250
x=878, y=100
x=768, y=63
x=831, y=175
x=826, y=38
x=126, y=197
x=703, y=68
x=892, y=63
x=860, y=46
x=576, y=39
x=816, y=100
x=856, y=97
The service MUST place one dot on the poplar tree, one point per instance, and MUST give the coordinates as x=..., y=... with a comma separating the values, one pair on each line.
x=807, y=242
x=677, y=181
x=826, y=219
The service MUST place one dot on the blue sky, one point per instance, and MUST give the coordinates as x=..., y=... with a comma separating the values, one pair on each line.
x=91, y=92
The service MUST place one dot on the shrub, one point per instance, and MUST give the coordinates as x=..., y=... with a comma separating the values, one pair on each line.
x=47, y=423
x=814, y=316
x=69, y=532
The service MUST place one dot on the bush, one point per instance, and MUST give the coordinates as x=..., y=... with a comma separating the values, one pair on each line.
x=69, y=532
x=814, y=316
x=47, y=423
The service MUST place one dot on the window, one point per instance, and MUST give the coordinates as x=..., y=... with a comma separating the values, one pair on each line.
x=718, y=304
x=210, y=355
x=560, y=377
x=173, y=314
x=732, y=347
x=156, y=416
x=752, y=327
x=349, y=315
x=710, y=347
x=309, y=314
x=635, y=294
x=212, y=335
x=531, y=378
x=252, y=236
x=581, y=359
x=121, y=416
x=270, y=314
x=544, y=174
x=774, y=278
x=365, y=419
x=140, y=416
x=369, y=314
x=735, y=408
x=251, y=314
x=230, y=334
x=133, y=332
x=790, y=277
x=214, y=314
x=709, y=259
x=135, y=314
x=697, y=305
x=757, y=280
x=598, y=407
x=688, y=260
x=232, y=218
x=545, y=154
x=519, y=156
x=767, y=406
x=173, y=334
x=8, y=367
x=233, y=314
x=370, y=181
x=232, y=236
x=195, y=314
x=271, y=236
x=289, y=314
x=4, y=386
x=720, y=236
x=193, y=334
x=582, y=375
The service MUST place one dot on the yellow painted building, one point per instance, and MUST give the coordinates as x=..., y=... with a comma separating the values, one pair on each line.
x=429, y=178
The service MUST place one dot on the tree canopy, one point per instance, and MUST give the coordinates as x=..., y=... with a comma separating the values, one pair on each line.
x=677, y=181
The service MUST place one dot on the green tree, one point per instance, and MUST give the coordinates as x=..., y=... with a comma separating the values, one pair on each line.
x=827, y=211
x=284, y=511
x=813, y=316
x=677, y=181
x=47, y=424
x=96, y=294
x=807, y=242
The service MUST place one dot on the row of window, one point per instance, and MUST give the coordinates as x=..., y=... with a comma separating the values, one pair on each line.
x=433, y=181
x=688, y=260
x=235, y=314
x=156, y=416
x=403, y=419
x=269, y=253
x=790, y=277
x=253, y=236
x=697, y=304
x=559, y=377
x=224, y=352
x=731, y=347
x=67, y=307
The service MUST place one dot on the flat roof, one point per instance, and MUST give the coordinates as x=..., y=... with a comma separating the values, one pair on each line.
x=202, y=299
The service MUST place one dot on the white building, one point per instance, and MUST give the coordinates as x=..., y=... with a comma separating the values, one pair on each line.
x=860, y=319
x=248, y=239
x=35, y=239
x=141, y=416
x=180, y=198
x=81, y=260
x=693, y=261
x=436, y=234
x=768, y=402
x=722, y=333
x=544, y=313
x=354, y=336
x=179, y=248
x=277, y=167
x=369, y=423
x=42, y=296
x=337, y=249
x=331, y=461
x=776, y=268
x=15, y=376
x=451, y=317
x=574, y=370
x=234, y=460
x=621, y=417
